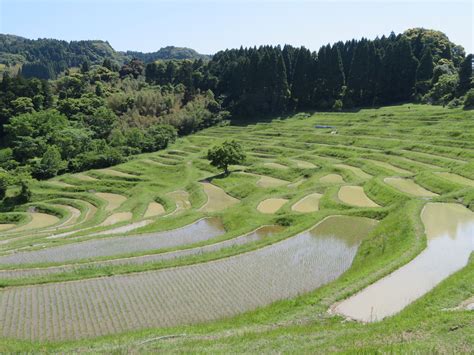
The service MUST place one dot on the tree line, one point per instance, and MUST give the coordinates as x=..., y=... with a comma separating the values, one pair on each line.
x=98, y=114
x=418, y=65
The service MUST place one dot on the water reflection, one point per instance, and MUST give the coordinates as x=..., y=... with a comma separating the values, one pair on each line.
x=204, y=229
x=450, y=232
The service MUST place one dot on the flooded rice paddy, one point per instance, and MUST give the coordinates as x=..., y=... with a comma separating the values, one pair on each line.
x=256, y=235
x=309, y=203
x=38, y=220
x=116, y=218
x=184, y=295
x=271, y=205
x=450, y=232
x=355, y=196
x=114, y=201
x=332, y=179
x=217, y=198
x=204, y=229
x=154, y=209
x=409, y=186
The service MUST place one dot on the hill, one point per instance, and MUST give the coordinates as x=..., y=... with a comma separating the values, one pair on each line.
x=46, y=58
x=165, y=53
x=166, y=255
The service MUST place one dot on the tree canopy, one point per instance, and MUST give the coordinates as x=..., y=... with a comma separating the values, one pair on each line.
x=228, y=153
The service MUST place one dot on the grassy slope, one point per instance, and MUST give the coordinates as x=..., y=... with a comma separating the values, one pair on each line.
x=303, y=324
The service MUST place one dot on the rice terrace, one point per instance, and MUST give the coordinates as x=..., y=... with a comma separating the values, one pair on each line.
x=71, y=276
x=257, y=200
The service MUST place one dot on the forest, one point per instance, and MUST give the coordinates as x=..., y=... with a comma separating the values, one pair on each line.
x=101, y=106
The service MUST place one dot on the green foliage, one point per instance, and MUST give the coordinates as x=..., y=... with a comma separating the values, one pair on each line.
x=444, y=89
x=229, y=153
x=337, y=105
x=465, y=76
x=4, y=182
x=98, y=113
x=169, y=52
x=50, y=164
x=469, y=99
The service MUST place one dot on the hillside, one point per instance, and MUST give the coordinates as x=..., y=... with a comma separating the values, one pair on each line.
x=165, y=254
x=46, y=58
x=166, y=53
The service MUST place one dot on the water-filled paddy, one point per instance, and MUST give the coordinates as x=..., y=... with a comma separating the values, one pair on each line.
x=201, y=230
x=218, y=289
x=154, y=209
x=256, y=235
x=116, y=218
x=271, y=205
x=355, y=196
x=450, y=232
x=307, y=204
x=38, y=221
x=409, y=186
x=113, y=200
x=332, y=179
x=217, y=199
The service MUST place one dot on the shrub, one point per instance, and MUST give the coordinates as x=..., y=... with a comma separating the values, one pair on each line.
x=469, y=99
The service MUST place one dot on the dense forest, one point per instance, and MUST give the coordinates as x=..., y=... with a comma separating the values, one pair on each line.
x=100, y=108
x=46, y=58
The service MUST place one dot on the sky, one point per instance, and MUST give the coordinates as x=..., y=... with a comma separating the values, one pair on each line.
x=210, y=26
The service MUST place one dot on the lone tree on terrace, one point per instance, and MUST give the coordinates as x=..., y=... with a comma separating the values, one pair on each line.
x=229, y=153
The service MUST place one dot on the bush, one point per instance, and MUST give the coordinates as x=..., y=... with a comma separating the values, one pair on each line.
x=337, y=105
x=4, y=181
x=469, y=99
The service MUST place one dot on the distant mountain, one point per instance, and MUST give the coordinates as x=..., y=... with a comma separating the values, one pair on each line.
x=46, y=58
x=169, y=52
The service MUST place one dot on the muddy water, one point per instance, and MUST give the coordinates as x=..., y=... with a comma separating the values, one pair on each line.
x=201, y=230
x=307, y=204
x=256, y=235
x=332, y=179
x=154, y=209
x=113, y=200
x=116, y=218
x=355, y=196
x=38, y=220
x=271, y=205
x=409, y=186
x=184, y=295
x=450, y=232
x=217, y=198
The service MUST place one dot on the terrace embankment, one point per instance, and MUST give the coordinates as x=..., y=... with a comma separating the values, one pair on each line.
x=449, y=229
x=221, y=288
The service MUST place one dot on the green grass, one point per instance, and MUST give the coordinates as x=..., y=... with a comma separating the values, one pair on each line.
x=421, y=139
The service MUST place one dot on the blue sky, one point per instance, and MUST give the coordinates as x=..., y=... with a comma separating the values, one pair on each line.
x=209, y=26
